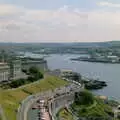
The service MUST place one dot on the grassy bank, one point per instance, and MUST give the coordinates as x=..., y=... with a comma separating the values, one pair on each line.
x=11, y=99
x=97, y=109
x=64, y=114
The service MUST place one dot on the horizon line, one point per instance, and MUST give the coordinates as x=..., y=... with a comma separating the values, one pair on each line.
x=62, y=42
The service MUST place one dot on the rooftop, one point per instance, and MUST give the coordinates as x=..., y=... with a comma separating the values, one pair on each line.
x=3, y=63
x=66, y=70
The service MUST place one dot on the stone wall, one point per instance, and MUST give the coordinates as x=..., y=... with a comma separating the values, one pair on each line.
x=62, y=101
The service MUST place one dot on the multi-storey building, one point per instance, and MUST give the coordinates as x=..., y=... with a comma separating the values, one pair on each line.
x=15, y=70
x=34, y=62
x=4, y=72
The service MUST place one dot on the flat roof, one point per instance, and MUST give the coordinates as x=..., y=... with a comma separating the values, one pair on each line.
x=65, y=70
x=2, y=63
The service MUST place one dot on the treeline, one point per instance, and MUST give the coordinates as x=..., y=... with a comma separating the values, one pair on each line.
x=33, y=73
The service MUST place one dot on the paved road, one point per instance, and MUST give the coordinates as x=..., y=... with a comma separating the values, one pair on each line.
x=26, y=104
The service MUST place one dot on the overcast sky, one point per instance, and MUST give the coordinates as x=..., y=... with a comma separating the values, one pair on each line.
x=59, y=20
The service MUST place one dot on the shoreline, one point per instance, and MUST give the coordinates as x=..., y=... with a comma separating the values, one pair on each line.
x=93, y=60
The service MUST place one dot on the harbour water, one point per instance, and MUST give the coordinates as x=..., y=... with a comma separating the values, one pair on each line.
x=105, y=72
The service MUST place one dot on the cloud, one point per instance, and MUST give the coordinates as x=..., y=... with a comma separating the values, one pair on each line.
x=109, y=4
x=64, y=8
x=7, y=10
x=67, y=23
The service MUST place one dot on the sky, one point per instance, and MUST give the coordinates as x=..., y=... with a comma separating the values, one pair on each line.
x=59, y=20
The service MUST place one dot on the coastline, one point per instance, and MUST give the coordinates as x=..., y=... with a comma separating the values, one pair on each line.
x=105, y=72
x=94, y=60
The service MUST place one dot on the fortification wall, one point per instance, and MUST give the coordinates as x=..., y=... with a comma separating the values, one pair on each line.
x=61, y=101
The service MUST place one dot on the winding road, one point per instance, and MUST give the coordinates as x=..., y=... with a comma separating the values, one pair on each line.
x=56, y=97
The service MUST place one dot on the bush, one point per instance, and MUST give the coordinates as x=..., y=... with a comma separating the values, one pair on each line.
x=84, y=98
x=83, y=110
x=17, y=83
x=24, y=71
x=31, y=79
x=33, y=70
x=34, y=75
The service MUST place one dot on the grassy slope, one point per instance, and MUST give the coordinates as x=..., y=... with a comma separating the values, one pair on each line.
x=64, y=114
x=10, y=99
x=97, y=109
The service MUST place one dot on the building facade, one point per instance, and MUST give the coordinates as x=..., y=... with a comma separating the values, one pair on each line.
x=4, y=72
x=16, y=70
x=13, y=69
x=34, y=62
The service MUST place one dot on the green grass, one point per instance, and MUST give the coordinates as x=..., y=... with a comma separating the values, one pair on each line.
x=11, y=99
x=0, y=118
x=98, y=108
x=64, y=114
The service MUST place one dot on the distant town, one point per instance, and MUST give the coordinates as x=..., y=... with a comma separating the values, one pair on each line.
x=30, y=90
x=99, y=58
x=12, y=68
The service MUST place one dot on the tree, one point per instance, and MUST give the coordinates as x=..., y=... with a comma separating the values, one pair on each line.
x=33, y=70
x=35, y=74
x=24, y=71
x=84, y=98
x=76, y=77
x=17, y=83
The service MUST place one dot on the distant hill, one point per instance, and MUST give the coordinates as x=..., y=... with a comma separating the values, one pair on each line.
x=8, y=46
x=114, y=43
x=83, y=44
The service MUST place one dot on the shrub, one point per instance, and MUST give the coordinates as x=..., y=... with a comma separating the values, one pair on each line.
x=83, y=110
x=84, y=98
x=34, y=75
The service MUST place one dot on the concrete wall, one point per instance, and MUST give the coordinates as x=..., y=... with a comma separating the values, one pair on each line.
x=57, y=99
x=64, y=100
x=60, y=102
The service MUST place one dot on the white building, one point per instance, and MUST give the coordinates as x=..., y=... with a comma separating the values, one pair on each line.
x=16, y=70
x=13, y=70
x=4, y=72
x=114, y=58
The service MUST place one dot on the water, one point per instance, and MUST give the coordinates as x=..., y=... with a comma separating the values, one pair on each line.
x=106, y=72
